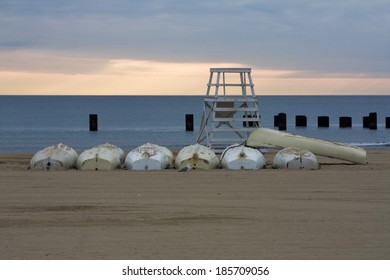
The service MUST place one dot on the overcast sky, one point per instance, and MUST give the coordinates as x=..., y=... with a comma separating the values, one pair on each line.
x=63, y=46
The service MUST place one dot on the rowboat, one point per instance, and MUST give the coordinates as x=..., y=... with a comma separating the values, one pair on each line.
x=196, y=157
x=102, y=157
x=149, y=157
x=240, y=157
x=269, y=138
x=295, y=158
x=56, y=157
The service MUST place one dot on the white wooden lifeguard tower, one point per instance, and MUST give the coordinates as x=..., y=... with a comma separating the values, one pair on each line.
x=228, y=117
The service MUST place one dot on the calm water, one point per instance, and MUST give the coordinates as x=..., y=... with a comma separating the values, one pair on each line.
x=30, y=123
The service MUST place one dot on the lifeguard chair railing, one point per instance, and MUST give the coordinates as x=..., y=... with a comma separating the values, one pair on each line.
x=228, y=118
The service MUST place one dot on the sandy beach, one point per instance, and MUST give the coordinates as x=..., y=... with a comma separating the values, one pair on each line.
x=340, y=211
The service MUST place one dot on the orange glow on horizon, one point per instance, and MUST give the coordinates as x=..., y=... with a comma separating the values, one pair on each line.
x=137, y=77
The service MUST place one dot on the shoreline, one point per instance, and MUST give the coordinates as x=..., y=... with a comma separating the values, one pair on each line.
x=21, y=160
x=337, y=212
x=385, y=146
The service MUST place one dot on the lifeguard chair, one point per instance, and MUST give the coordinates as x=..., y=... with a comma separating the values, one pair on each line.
x=228, y=117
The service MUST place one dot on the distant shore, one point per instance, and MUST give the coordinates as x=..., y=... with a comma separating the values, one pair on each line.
x=340, y=211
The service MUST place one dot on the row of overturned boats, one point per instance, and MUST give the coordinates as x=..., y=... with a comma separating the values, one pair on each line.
x=295, y=152
x=146, y=157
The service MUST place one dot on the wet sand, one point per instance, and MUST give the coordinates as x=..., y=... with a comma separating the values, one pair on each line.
x=341, y=211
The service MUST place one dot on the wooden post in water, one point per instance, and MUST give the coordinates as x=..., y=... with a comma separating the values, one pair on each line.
x=93, y=122
x=345, y=122
x=387, y=122
x=372, y=120
x=323, y=121
x=276, y=120
x=300, y=120
x=282, y=121
x=189, y=122
x=366, y=122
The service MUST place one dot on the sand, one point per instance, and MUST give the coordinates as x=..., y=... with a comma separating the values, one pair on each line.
x=341, y=211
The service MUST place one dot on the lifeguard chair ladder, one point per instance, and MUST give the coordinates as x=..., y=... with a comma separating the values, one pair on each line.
x=228, y=119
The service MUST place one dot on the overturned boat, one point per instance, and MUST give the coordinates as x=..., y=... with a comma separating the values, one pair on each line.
x=102, y=157
x=149, y=157
x=295, y=158
x=196, y=157
x=56, y=157
x=269, y=138
x=240, y=157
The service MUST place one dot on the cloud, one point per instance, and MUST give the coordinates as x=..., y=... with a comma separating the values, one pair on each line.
x=308, y=39
x=44, y=61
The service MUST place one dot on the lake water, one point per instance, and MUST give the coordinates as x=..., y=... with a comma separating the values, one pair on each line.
x=30, y=123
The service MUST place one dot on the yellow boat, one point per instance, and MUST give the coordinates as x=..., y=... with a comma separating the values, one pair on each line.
x=269, y=138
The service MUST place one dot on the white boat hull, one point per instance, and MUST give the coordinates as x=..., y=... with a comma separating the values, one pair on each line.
x=238, y=157
x=102, y=157
x=149, y=157
x=269, y=138
x=56, y=157
x=196, y=157
x=295, y=158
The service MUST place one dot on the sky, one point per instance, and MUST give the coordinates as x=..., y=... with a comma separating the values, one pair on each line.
x=152, y=47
